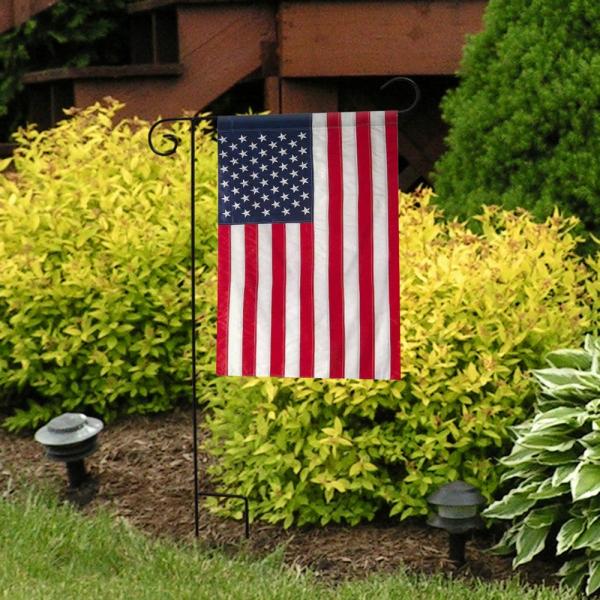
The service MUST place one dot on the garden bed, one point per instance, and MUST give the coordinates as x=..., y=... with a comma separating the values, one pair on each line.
x=143, y=473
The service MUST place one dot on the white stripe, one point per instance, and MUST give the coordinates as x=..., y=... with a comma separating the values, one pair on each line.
x=236, y=300
x=263, y=301
x=350, y=228
x=292, y=300
x=380, y=246
x=321, y=245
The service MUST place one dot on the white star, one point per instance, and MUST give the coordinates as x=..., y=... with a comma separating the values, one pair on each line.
x=273, y=159
x=301, y=135
x=255, y=190
x=262, y=137
x=304, y=196
x=225, y=198
x=263, y=182
x=234, y=161
x=233, y=146
x=255, y=205
x=275, y=204
x=254, y=160
x=295, y=188
x=272, y=145
x=293, y=144
x=274, y=189
x=222, y=139
x=285, y=196
x=304, y=180
x=242, y=138
x=266, y=212
x=226, y=213
x=246, y=213
x=263, y=168
x=235, y=190
x=286, y=212
x=225, y=183
x=282, y=136
x=294, y=173
x=274, y=174
x=283, y=152
x=244, y=168
x=284, y=182
x=302, y=150
x=306, y=210
x=253, y=146
x=245, y=197
x=223, y=154
x=254, y=175
x=243, y=154
x=263, y=152
x=244, y=183
x=304, y=165
x=293, y=158
x=265, y=197
x=236, y=205
x=283, y=166
x=295, y=204
x=234, y=176
x=224, y=169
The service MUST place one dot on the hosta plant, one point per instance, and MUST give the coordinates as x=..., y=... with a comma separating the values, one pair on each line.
x=555, y=464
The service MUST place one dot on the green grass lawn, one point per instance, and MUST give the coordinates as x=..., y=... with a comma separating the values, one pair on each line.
x=48, y=551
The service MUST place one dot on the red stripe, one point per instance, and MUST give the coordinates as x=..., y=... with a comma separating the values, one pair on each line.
x=307, y=307
x=250, y=296
x=391, y=138
x=336, y=246
x=365, y=246
x=278, y=302
x=224, y=281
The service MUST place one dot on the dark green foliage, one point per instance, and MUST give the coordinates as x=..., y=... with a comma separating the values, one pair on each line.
x=73, y=33
x=524, y=121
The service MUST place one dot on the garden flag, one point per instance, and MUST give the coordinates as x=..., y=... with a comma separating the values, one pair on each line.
x=308, y=282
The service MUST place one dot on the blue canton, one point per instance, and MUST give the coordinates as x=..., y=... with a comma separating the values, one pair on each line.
x=265, y=169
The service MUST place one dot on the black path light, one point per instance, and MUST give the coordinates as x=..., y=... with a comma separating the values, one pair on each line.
x=457, y=505
x=70, y=438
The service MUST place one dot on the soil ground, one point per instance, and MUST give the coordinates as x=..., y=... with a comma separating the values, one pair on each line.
x=143, y=472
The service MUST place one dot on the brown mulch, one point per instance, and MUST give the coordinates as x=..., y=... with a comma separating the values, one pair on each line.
x=143, y=473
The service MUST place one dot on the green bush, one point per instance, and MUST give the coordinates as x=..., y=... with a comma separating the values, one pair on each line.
x=477, y=313
x=556, y=463
x=94, y=275
x=524, y=120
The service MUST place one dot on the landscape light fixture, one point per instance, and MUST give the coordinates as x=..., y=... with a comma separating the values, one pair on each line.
x=70, y=438
x=457, y=511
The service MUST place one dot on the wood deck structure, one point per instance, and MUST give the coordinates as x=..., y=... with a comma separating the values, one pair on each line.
x=290, y=56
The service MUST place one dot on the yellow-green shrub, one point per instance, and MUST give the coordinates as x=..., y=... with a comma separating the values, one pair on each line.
x=94, y=270
x=478, y=311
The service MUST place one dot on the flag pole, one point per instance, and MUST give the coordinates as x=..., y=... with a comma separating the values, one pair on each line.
x=174, y=143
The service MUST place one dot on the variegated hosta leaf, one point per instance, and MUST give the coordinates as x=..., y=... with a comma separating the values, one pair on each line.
x=530, y=541
x=548, y=490
x=569, y=532
x=563, y=474
x=554, y=439
x=514, y=504
x=593, y=583
x=562, y=415
x=585, y=482
x=573, y=359
x=589, y=535
x=544, y=516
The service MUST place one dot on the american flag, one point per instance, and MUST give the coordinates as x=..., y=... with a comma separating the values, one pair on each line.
x=308, y=273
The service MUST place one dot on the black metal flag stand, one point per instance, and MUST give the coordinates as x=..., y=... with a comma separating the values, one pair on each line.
x=194, y=122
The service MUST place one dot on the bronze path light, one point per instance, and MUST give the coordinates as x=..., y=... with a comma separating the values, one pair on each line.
x=457, y=511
